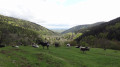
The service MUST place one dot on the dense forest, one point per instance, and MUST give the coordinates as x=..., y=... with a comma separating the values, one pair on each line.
x=106, y=35
x=25, y=24
x=20, y=32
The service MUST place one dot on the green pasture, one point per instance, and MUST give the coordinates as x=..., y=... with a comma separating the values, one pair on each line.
x=27, y=56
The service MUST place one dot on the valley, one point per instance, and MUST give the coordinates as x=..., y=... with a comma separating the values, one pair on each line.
x=103, y=39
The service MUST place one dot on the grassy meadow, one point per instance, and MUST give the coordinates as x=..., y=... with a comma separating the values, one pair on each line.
x=27, y=56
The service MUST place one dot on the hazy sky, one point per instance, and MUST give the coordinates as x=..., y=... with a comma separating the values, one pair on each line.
x=61, y=13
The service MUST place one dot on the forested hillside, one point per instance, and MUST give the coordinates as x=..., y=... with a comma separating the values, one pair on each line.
x=20, y=32
x=76, y=28
x=25, y=24
x=13, y=35
x=81, y=28
x=106, y=35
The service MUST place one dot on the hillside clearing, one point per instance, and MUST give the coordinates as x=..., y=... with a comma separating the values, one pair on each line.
x=27, y=56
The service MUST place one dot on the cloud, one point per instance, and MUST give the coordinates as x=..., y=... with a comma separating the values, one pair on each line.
x=59, y=26
x=61, y=13
x=61, y=1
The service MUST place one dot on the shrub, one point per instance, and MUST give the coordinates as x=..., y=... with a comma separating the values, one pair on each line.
x=73, y=43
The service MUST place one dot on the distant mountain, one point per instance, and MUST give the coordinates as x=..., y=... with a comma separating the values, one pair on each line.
x=81, y=28
x=58, y=30
x=15, y=31
x=105, y=34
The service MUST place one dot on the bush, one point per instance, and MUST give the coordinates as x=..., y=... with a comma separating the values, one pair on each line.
x=82, y=43
x=115, y=45
x=73, y=43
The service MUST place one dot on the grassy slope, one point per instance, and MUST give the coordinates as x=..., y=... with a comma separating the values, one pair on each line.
x=27, y=56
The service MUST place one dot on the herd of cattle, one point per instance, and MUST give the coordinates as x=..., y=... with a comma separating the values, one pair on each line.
x=56, y=45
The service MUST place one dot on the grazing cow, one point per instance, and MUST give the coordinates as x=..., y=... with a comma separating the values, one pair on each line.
x=16, y=46
x=77, y=46
x=35, y=45
x=2, y=46
x=68, y=45
x=84, y=49
x=57, y=45
x=44, y=44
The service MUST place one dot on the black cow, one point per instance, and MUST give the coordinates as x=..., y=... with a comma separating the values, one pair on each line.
x=2, y=46
x=77, y=46
x=44, y=44
x=84, y=49
x=57, y=45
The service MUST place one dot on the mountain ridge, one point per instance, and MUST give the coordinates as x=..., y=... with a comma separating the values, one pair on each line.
x=106, y=35
x=81, y=27
x=15, y=31
x=25, y=24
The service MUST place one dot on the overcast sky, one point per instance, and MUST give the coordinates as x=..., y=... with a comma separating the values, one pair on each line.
x=61, y=13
